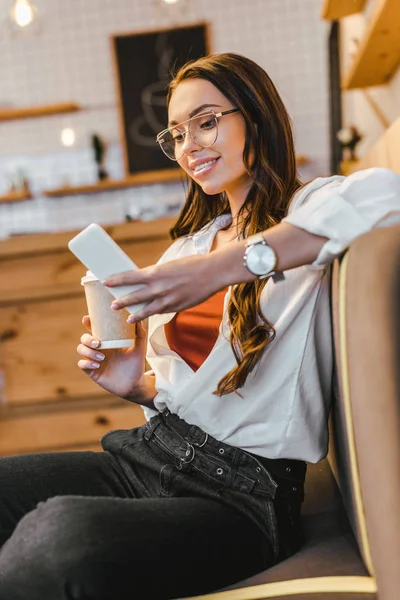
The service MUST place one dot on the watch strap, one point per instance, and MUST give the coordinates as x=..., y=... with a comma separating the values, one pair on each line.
x=257, y=238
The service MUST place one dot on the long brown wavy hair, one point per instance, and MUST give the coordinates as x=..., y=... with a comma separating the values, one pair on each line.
x=269, y=159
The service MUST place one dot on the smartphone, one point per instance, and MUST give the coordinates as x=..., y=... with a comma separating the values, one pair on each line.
x=103, y=257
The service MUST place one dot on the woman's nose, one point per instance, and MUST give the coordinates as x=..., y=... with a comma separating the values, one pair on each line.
x=189, y=144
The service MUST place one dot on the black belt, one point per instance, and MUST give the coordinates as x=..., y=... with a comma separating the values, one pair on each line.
x=281, y=469
x=284, y=468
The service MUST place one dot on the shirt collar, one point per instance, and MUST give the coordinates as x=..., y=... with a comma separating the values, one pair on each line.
x=203, y=238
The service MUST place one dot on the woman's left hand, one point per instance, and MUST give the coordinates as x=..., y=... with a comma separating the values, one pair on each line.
x=174, y=285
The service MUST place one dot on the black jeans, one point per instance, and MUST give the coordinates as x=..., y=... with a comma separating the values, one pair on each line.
x=165, y=512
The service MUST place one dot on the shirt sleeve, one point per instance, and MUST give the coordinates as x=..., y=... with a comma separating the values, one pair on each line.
x=346, y=207
x=149, y=412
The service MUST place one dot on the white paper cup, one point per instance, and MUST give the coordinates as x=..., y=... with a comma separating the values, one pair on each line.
x=108, y=325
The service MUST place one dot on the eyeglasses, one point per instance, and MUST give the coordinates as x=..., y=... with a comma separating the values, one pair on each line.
x=203, y=129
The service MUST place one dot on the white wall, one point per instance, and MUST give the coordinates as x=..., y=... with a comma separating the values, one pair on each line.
x=70, y=60
x=356, y=108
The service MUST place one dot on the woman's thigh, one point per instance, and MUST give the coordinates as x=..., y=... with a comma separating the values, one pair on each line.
x=29, y=479
x=77, y=548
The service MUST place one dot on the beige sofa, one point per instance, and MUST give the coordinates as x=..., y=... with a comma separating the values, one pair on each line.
x=352, y=505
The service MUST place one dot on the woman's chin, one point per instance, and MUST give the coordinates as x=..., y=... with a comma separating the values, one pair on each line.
x=211, y=188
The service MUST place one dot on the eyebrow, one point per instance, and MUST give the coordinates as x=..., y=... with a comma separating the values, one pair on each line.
x=194, y=112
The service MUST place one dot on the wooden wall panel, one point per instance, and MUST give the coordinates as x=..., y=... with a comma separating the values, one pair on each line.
x=384, y=153
x=393, y=145
x=59, y=273
x=40, y=243
x=67, y=431
x=39, y=351
x=46, y=402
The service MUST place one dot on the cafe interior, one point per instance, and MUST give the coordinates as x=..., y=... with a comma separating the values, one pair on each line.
x=82, y=99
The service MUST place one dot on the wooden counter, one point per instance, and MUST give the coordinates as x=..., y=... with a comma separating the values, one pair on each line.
x=48, y=403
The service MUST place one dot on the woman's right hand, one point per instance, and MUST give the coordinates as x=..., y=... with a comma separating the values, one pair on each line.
x=118, y=370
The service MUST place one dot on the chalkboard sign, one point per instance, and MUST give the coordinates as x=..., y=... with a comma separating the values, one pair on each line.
x=144, y=63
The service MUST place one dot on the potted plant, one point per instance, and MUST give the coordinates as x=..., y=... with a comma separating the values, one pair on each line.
x=349, y=138
x=99, y=149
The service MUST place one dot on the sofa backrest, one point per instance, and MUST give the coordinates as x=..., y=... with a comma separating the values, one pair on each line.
x=365, y=442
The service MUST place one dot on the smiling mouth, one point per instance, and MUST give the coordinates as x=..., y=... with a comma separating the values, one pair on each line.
x=205, y=166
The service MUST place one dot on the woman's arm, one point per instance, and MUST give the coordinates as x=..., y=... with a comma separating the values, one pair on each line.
x=321, y=224
x=186, y=282
x=145, y=392
x=293, y=246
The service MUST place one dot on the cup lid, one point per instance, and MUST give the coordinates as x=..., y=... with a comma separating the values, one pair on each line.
x=88, y=278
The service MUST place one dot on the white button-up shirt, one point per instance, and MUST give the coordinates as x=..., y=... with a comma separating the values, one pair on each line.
x=282, y=410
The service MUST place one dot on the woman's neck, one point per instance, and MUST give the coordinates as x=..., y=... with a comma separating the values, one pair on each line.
x=236, y=225
x=236, y=197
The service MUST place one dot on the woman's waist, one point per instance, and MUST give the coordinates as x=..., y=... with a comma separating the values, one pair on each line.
x=270, y=428
x=196, y=438
x=289, y=469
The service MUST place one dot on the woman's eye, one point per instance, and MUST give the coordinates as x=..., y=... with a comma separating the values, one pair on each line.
x=209, y=124
x=178, y=138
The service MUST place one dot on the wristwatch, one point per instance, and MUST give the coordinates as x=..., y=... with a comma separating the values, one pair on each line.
x=260, y=259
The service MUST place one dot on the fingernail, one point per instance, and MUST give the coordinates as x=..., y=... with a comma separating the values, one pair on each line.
x=95, y=344
x=99, y=356
x=95, y=365
x=115, y=306
x=130, y=319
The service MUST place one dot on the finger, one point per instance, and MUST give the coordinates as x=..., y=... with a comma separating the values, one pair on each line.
x=153, y=308
x=141, y=337
x=90, y=341
x=127, y=278
x=141, y=333
x=138, y=297
x=89, y=353
x=87, y=365
x=86, y=322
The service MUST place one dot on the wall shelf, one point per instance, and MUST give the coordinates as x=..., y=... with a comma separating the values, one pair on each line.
x=333, y=10
x=15, y=197
x=378, y=54
x=145, y=178
x=384, y=153
x=30, y=112
x=110, y=185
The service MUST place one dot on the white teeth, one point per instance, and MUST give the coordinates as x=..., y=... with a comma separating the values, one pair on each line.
x=204, y=165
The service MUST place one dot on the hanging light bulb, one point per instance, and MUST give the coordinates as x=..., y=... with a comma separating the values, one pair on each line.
x=173, y=9
x=23, y=13
x=68, y=136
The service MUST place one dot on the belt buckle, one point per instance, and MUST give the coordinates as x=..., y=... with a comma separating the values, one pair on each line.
x=203, y=443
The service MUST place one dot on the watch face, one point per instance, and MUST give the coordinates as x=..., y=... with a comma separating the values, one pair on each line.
x=260, y=259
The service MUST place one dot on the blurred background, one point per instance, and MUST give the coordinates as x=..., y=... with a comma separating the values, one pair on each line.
x=82, y=97
x=66, y=56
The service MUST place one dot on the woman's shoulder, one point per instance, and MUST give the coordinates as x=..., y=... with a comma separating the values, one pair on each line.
x=359, y=182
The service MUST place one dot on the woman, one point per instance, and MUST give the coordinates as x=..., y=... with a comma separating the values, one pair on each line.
x=209, y=491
